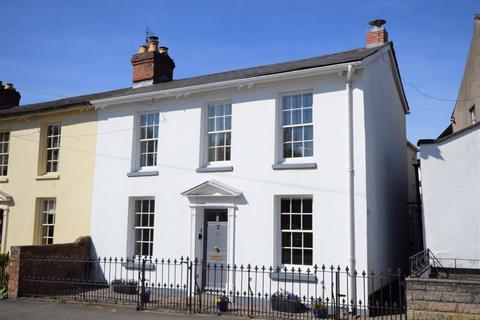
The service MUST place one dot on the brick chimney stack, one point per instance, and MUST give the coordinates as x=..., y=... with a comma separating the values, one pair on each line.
x=9, y=97
x=152, y=64
x=378, y=35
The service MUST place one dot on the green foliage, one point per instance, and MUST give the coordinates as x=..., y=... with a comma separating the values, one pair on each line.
x=4, y=259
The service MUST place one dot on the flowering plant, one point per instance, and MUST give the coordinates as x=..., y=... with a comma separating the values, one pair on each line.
x=285, y=295
x=223, y=299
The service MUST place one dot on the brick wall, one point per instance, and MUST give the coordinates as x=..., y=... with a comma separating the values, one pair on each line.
x=24, y=264
x=443, y=299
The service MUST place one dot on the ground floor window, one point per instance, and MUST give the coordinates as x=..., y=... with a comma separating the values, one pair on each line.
x=296, y=230
x=143, y=222
x=47, y=220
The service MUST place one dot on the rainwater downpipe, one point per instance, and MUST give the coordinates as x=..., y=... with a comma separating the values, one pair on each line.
x=351, y=188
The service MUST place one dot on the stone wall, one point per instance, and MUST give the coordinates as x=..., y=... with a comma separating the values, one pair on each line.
x=25, y=265
x=443, y=299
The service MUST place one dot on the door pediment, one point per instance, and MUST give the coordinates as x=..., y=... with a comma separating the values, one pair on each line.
x=212, y=188
x=4, y=197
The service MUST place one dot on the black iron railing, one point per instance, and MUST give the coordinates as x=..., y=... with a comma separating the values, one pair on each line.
x=238, y=290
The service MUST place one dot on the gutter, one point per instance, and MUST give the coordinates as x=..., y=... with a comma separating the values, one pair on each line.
x=240, y=83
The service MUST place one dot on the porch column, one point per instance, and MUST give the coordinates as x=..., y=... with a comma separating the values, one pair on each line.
x=193, y=232
x=231, y=235
x=4, y=230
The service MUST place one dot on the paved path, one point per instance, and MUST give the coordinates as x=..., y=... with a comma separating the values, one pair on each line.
x=38, y=310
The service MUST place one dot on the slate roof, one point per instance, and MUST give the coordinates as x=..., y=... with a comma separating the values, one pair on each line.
x=321, y=61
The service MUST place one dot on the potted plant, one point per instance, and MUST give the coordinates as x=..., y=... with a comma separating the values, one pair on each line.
x=222, y=303
x=319, y=309
x=285, y=301
x=122, y=286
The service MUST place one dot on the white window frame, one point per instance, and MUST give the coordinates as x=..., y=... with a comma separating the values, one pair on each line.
x=4, y=152
x=205, y=134
x=132, y=238
x=472, y=112
x=279, y=231
x=280, y=140
x=136, y=154
x=45, y=223
x=51, y=148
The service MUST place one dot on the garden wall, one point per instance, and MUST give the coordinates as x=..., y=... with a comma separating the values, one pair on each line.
x=24, y=266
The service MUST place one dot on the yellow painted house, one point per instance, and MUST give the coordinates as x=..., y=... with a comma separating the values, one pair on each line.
x=47, y=153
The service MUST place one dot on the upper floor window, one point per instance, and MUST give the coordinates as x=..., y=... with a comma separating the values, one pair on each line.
x=47, y=216
x=52, y=147
x=473, y=115
x=219, y=132
x=143, y=222
x=4, y=141
x=148, y=139
x=297, y=124
x=296, y=230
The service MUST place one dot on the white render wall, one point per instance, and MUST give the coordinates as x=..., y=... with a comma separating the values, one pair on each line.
x=253, y=154
x=451, y=195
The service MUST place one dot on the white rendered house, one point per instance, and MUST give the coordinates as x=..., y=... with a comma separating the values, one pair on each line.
x=291, y=164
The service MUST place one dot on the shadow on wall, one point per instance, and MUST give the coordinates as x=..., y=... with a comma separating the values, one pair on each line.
x=431, y=151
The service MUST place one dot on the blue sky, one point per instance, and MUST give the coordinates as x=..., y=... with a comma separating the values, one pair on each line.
x=55, y=49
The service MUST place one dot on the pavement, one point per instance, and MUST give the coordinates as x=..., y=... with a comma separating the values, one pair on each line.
x=28, y=309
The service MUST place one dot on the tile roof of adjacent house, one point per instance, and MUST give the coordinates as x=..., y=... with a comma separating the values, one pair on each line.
x=321, y=61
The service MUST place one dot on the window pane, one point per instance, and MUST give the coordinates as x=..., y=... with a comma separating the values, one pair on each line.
x=286, y=239
x=286, y=102
x=296, y=101
x=287, y=150
x=219, y=124
x=298, y=134
x=227, y=154
x=307, y=115
x=219, y=110
x=307, y=100
x=220, y=154
x=211, y=111
x=228, y=138
x=307, y=222
x=220, y=139
x=297, y=239
x=297, y=205
x=286, y=256
x=307, y=240
x=211, y=154
x=308, y=133
x=308, y=149
x=211, y=124
x=308, y=257
x=211, y=140
x=228, y=109
x=285, y=222
x=287, y=117
x=297, y=256
x=296, y=222
x=143, y=120
x=287, y=134
x=285, y=205
x=228, y=123
x=297, y=150
x=297, y=116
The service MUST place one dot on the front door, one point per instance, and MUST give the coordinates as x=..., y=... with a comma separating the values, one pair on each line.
x=215, y=249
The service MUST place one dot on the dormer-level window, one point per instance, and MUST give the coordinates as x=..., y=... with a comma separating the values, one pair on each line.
x=148, y=139
x=219, y=131
x=297, y=125
x=473, y=115
x=52, y=148
x=4, y=142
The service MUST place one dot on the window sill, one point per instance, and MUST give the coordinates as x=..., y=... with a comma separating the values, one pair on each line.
x=142, y=174
x=137, y=265
x=294, y=166
x=215, y=169
x=48, y=176
x=293, y=277
x=3, y=179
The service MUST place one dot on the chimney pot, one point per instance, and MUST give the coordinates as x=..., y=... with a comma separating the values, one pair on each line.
x=152, y=43
x=163, y=50
x=378, y=35
x=142, y=49
x=9, y=97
